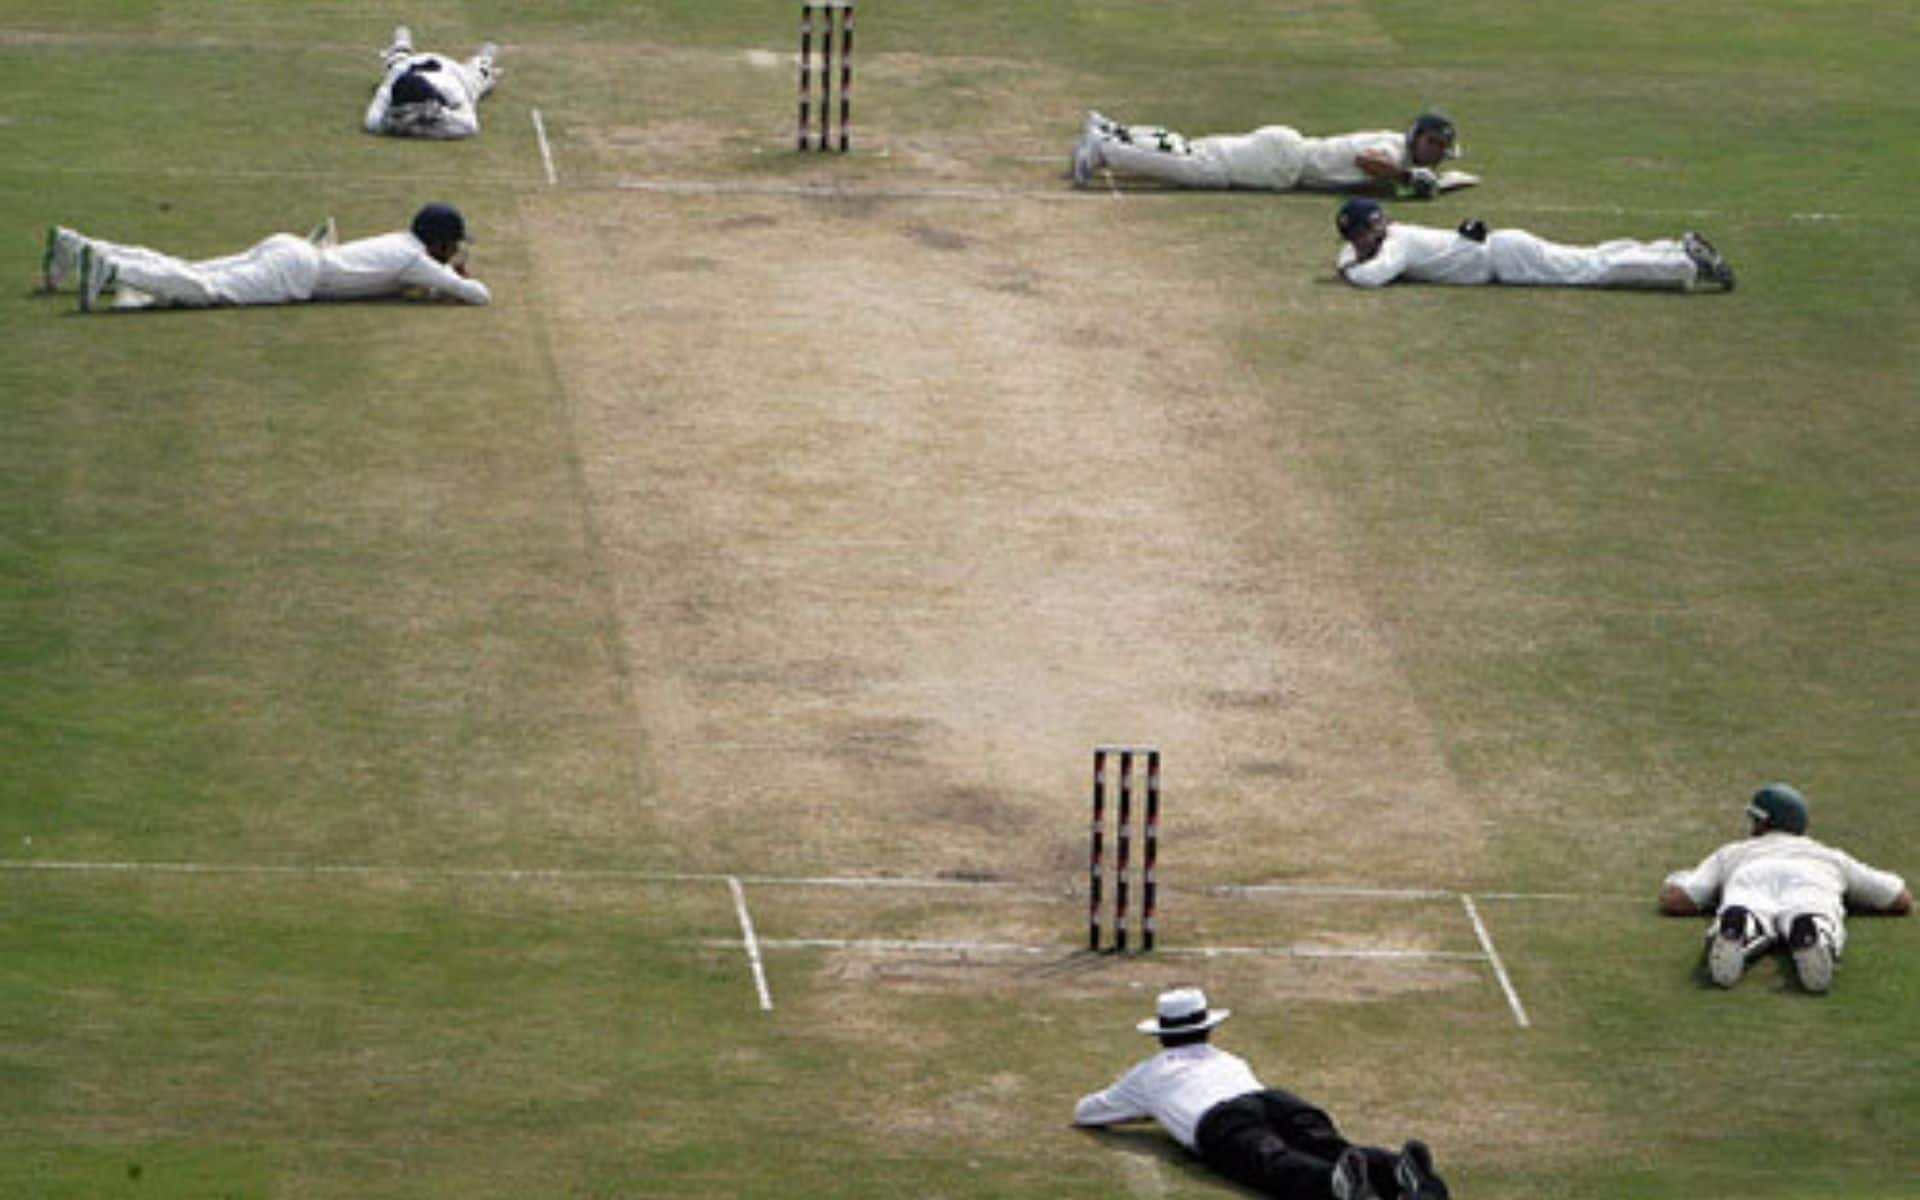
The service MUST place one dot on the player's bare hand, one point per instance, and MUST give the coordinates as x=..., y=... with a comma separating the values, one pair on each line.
x=1378, y=164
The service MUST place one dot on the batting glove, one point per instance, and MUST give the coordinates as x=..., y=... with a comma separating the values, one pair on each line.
x=1420, y=184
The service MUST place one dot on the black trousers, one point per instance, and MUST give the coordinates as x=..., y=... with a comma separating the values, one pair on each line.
x=1279, y=1145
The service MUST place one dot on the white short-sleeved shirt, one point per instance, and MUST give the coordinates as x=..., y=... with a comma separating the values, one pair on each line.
x=1775, y=868
x=1419, y=254
x=1175, y=1087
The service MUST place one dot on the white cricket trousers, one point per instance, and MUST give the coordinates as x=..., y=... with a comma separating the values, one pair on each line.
x=1779, y=894
x=1270, y=157
x=1519, y=257
x=280, y=270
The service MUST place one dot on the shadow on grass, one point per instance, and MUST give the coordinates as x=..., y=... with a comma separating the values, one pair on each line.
x=1148, y=1142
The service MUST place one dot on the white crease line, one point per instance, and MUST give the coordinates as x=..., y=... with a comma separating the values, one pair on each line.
x=1563, y=896
x=358, y=870
x=709, y=187
x=546, y=151
x=910, y=946
x=1073, y=891
x=902, y=945
x=829, y=881
x=752, y=943
x=1316, y=889
x=1493, y=956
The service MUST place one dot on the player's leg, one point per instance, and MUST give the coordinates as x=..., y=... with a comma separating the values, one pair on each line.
x=1269, y=159
x=1737, y=936
x=1153, y=152
x=276, y=271
x=1814, y=924
x=401, y=47
x=481, y=71
x=1660, y=265
x=1521, y=258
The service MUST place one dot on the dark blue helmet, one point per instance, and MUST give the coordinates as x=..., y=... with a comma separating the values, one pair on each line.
x=1357, y=215
x=1778, y=806
x=439, y=223
x=1436, y=123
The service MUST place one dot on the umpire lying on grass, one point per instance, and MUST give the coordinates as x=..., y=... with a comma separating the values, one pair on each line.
x=1269, y=1140
x=286, y=268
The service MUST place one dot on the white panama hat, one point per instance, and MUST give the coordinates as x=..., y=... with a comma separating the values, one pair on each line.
x=1183, y=1010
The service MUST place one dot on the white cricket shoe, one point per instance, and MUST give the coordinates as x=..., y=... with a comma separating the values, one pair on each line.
x=1086, y=152
x=61, y=257
x=1812, y=954
x=1727, y=947
x=97, y=275
x=402, y=43
x=484, y=59
x=1709, y=265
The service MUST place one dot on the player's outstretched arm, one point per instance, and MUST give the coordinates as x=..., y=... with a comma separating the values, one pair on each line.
x=1674, y=901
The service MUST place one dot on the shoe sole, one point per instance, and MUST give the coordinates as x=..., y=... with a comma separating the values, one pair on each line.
x=1350, y=1178
x=1727, y=948
x=1812, y=960
x=90, y=293
x=1414, y=1172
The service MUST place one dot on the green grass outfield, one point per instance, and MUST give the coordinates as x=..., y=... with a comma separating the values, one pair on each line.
x=322, y=587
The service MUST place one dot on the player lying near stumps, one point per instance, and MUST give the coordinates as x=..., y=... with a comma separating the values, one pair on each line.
x=430, y=95
x=1277, y=158
x=427, y=259
x=1779, y=885
x=1379, y=252
x=1272, y=1141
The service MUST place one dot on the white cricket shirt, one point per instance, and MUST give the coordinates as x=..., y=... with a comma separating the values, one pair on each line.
x=1419, y=254
x=387, y=266
x=1175, y=1087
x=1758, y=872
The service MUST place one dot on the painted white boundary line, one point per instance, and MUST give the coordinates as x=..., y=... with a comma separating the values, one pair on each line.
x=546, y=151
x=752, y=943
x=1493, y=956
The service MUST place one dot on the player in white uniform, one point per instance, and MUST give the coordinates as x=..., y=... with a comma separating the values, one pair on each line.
x=1269, y=1140
x=1378, y=252
x=1779, y=885
x=283, y=269
x=1276, y=158
x=430, y=95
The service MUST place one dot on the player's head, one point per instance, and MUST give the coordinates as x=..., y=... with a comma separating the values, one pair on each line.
x=1777, y=807
x=1362, y=222
x=413, y=88
x=441, y=228
x=1431, y=139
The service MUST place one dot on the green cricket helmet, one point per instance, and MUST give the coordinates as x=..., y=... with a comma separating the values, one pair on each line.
x=1778, y=806
x=1441, y=127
